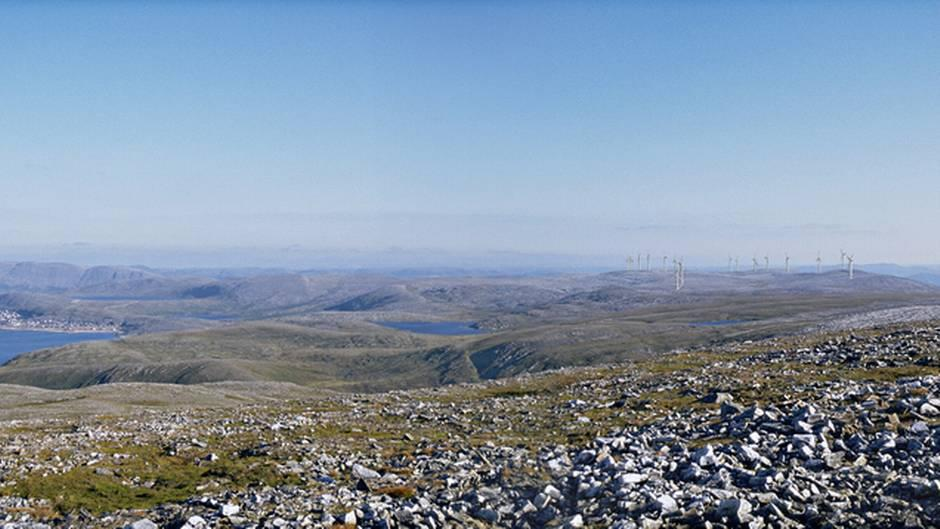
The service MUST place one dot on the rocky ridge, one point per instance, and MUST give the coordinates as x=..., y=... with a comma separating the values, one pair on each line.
x=837, y=430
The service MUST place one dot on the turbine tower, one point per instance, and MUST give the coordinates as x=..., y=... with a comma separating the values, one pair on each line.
x=754, y=261
x=730, y=262
x=818, y=263
x=680, y=275
x=842, y=259
x=735, y=264
x=629, y=263
x=648, y=269
x=851, y=259
x=786, y=260
x=766, y=263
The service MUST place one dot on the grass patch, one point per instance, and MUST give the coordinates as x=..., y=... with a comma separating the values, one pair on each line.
x=672, y=363
x=891, y=374
x=50, y=402
x=82, y=488
x=705, y=441
x=541, y=384
x=168, y=479
x=42, y=512
x=147, y=403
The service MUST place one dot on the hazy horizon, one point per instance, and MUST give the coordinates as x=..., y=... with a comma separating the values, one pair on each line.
x=547, y=132
x=425, y=260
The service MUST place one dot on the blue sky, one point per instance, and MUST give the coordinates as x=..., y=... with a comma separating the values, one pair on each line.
x=702, y=129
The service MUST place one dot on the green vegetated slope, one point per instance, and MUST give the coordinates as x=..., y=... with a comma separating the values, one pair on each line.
x=361, y=356
x=605, y=338
x=383, y=359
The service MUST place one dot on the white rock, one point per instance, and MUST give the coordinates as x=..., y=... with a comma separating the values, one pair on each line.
x=575, y=522
x=541, y=500
x=195, y=522
x=362, y=472
x=667, y=504
x=629, y=478
x=738, y=510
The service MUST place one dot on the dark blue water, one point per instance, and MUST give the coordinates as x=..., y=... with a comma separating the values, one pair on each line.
x=716, y=323
x=448, y=328
x=15, y=343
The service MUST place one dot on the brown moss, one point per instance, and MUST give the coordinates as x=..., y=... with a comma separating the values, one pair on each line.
x=401, y=491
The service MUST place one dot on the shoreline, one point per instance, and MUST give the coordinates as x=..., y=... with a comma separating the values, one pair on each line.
x=60, y=331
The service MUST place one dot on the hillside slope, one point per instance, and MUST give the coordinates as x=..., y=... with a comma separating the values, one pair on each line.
x=380, y=360
x=341, y=350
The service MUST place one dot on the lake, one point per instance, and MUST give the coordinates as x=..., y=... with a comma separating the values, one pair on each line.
x=447, y=328
x=15, y=343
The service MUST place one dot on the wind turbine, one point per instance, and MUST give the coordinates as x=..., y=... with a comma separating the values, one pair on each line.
x=730, y=261
x=735, y=264
x=665, y=259
x=648, y=269
x=680, y=275
x=629, y=263
x=754, y=261
x=842, y=259
x=851, y=259
x=818, y=263
x=786, y=260
x=766, y=263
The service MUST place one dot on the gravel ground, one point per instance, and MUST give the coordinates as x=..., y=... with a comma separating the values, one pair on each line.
x=837, y=430
x=877, y=318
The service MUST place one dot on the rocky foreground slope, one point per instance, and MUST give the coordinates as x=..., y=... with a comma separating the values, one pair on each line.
x=835, y=430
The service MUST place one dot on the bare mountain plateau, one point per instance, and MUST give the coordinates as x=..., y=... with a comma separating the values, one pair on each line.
x=827, y=429
x=290, y=400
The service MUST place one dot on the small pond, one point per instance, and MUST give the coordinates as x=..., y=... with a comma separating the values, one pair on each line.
x=448, y=328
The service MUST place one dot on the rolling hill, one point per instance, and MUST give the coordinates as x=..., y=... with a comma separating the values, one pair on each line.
x=321, y=332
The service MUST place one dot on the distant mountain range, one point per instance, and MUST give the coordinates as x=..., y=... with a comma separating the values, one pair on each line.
x=57, y=276
x=925, y=274
x=319, y=329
